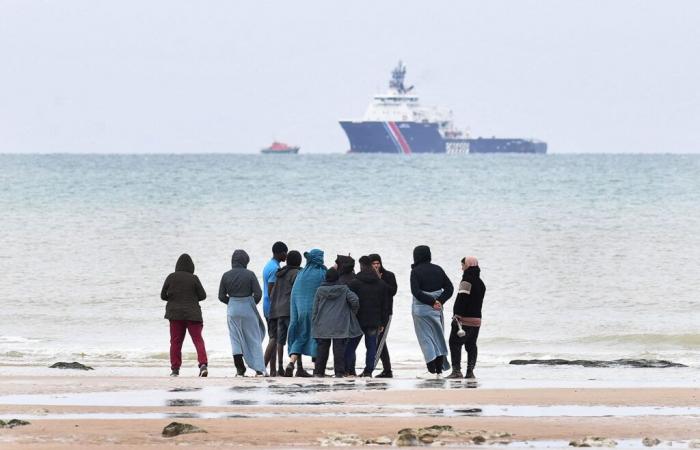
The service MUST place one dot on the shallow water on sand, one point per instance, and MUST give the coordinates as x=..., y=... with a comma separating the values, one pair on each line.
x=307, y=400
x=584, y=256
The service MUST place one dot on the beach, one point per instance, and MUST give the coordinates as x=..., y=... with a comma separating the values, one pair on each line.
x=71, y=411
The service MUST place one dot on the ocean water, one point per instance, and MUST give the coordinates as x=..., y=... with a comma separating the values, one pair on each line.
x=584, y=256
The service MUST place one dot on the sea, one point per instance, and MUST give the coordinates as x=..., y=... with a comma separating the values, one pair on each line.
x=586, y=257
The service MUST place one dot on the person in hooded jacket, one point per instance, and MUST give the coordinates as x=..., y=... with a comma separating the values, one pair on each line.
x=240, y=290
x=183, y=291
x=279, y=304
x=345, y=265
x=431, y=288
x=373, y=313
x=333, y=319
x=467, y=317
x=390, y=279
x=302, y=301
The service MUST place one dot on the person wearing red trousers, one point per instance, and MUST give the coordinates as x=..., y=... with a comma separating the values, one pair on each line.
x=183, y=291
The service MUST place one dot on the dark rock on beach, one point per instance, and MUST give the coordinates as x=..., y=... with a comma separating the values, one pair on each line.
x=593, y=441
x=176, y=428
x=72, y=365
x=407, y=438
x=13, y=423
x=636, y=363
x=650, y=442
x=341, y=440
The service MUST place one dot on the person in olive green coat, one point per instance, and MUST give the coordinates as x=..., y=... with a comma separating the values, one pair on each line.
x=183, y=291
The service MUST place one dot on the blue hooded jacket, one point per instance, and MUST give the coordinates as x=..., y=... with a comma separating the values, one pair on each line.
x=302, y=302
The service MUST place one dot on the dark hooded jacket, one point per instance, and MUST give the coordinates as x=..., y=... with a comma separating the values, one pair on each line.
x=428, y=277
x=346, y=269
x=183, y=291
x=389, y=278
x=282, y=291
x=239, y=281
x=334, y=312
x=470, y=295
x=373, y=294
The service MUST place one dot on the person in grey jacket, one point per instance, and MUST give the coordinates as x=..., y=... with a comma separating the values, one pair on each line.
x=240, y=290
x=333, y=319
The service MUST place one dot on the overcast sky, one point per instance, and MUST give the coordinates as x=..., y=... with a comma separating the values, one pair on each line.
x=231, y=76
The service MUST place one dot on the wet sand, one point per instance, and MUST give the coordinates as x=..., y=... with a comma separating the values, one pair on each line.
x=130, y=412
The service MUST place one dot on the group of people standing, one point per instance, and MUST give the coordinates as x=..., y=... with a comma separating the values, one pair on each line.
x=312, y=310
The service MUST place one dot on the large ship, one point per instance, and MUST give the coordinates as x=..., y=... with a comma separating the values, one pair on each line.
x=396, y=122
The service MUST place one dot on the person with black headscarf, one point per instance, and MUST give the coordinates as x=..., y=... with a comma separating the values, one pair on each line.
x=431, y=288
x=183, y=291
x=382, y=348
x=467, y=317
x=345, y=265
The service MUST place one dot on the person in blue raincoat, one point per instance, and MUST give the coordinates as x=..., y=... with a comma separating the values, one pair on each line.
x=299, y=337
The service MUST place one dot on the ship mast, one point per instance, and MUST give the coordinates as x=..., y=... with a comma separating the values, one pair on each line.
x=397, y=77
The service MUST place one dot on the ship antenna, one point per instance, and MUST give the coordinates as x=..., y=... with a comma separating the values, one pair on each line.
x=397, y=77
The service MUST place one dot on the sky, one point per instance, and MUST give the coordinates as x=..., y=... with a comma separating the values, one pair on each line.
x=171, y=76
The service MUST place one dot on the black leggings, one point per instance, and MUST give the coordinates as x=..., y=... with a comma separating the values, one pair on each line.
x=469, y=343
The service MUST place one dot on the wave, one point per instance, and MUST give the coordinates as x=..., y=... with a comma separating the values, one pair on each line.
x=686, y=340
x=636, y=363
x=679, y=341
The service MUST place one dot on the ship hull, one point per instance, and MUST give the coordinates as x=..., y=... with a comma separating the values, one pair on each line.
x=288, y=151
x=424, y=137
x=505, y=145
x=393, y=137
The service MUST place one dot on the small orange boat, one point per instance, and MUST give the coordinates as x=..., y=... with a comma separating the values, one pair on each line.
x=280, y=148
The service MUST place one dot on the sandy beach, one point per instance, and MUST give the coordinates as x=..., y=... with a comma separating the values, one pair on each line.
x=130, y=412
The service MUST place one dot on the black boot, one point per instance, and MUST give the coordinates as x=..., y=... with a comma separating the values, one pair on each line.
x=385, y=374
x=240, y=366
x=300, y=370
x=289, y=371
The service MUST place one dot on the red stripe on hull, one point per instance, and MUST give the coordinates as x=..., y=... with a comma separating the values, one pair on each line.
x=402, y=141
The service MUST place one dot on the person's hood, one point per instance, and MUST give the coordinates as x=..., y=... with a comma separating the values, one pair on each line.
x=471, y=273
x=421, y=254
x=332, y=290
x=375, y=257
x=184, y=264
x=284, y=270
x=240, y=259
x=314, y=256
x=367, y=276
x=346, y=264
